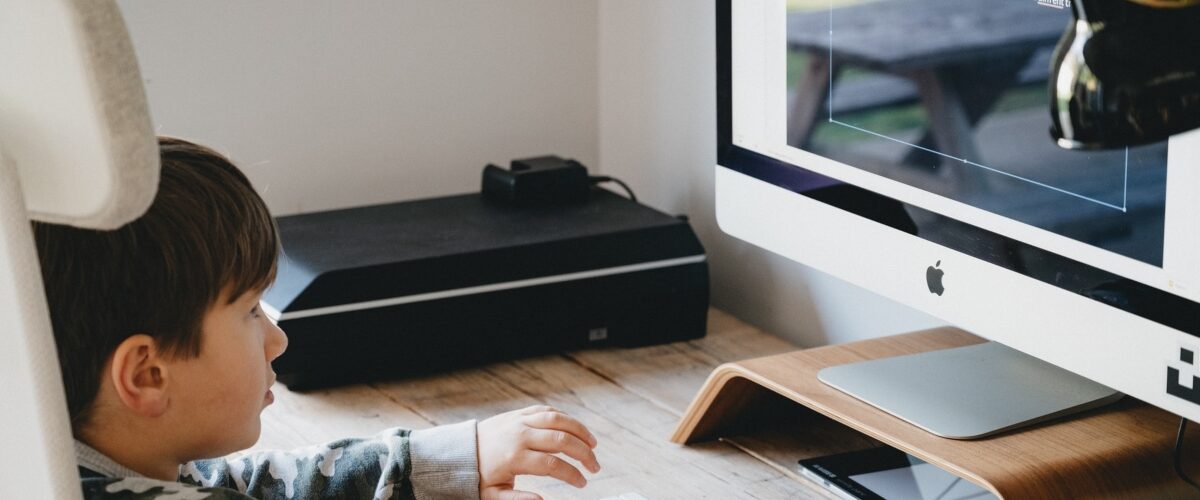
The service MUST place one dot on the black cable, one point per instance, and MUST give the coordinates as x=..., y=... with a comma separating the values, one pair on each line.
x=597, y=179
x=1178, y=460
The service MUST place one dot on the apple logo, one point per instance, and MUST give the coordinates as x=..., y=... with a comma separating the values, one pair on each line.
x=933, y=278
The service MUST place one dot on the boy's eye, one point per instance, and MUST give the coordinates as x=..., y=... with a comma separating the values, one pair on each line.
x=254, y=311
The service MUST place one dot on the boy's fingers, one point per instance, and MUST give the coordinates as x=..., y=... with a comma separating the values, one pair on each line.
x=565, y=423
x=562, y=442
x=543, y=464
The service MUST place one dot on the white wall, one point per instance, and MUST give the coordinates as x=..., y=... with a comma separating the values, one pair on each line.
x=333, y=104
x=658, y=133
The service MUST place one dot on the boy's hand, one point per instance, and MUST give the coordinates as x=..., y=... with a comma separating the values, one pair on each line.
x=524, y=442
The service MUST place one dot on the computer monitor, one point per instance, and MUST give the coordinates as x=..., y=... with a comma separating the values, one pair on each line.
x=904, y=146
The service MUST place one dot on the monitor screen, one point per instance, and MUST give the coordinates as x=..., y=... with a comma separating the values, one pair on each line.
x=932, y=117
x=949, y=97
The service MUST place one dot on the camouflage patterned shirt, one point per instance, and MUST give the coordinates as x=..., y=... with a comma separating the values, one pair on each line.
x=431, y=464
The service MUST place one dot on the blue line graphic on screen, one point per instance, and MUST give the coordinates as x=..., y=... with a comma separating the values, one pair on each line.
x=829, y=105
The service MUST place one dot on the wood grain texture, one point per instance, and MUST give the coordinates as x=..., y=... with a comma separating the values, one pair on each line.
x=1122, y=451
x=630, y=398
x=670, y=374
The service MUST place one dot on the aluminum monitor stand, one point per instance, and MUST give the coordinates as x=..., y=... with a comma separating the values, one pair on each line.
x=968, y=392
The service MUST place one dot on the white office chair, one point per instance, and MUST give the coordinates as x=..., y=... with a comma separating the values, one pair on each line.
x=76, y=147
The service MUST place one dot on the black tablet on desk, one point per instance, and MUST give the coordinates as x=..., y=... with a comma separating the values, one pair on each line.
x=888, y=473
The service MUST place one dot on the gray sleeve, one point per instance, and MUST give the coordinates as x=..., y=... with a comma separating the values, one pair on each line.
x=445, y=465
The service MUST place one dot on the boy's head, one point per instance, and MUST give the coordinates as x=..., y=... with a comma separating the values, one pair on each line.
x=157, y=323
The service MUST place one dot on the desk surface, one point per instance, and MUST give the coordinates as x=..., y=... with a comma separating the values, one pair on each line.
x=631, y=399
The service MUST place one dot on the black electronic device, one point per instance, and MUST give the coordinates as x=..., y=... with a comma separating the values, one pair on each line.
x=540, y=181
x=1126, y=73
x=885, y=473
x=415, y=287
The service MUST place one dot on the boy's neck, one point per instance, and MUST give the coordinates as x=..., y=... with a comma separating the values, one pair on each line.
x=133, y=455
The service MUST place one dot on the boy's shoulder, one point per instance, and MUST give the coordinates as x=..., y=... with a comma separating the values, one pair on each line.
x=140, y=488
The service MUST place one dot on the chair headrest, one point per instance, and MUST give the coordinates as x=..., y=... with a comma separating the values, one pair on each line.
x=73, y=112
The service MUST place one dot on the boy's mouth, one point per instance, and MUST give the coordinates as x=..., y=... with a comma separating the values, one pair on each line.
x=269, y=396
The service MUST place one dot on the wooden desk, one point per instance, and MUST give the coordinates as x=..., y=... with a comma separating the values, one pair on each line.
x=631, y=398
x=746, y=433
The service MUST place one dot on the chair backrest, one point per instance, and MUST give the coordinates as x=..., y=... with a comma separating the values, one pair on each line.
x=76, y=147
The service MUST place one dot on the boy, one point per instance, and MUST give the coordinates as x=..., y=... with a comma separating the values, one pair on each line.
x=166, y=359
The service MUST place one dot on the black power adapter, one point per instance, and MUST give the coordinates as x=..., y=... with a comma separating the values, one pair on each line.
x=540, y=181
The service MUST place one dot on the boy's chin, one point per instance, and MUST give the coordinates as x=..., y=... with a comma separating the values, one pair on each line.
x=229, y=445
x=252, y=437
x=242, y=441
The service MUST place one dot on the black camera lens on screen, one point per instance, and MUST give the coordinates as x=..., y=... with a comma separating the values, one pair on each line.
x=1126, y=73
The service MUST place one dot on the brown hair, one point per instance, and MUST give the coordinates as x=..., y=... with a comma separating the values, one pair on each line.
x=207, y=232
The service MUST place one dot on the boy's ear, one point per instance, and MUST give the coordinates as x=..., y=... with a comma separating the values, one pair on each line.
x=139, y=376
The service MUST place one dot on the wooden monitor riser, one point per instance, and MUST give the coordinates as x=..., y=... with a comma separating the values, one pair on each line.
x=1120, y=451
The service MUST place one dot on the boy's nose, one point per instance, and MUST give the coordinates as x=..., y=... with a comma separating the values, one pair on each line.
x=277, y=342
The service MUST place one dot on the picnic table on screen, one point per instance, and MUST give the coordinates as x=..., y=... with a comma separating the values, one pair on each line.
x=957, y=56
